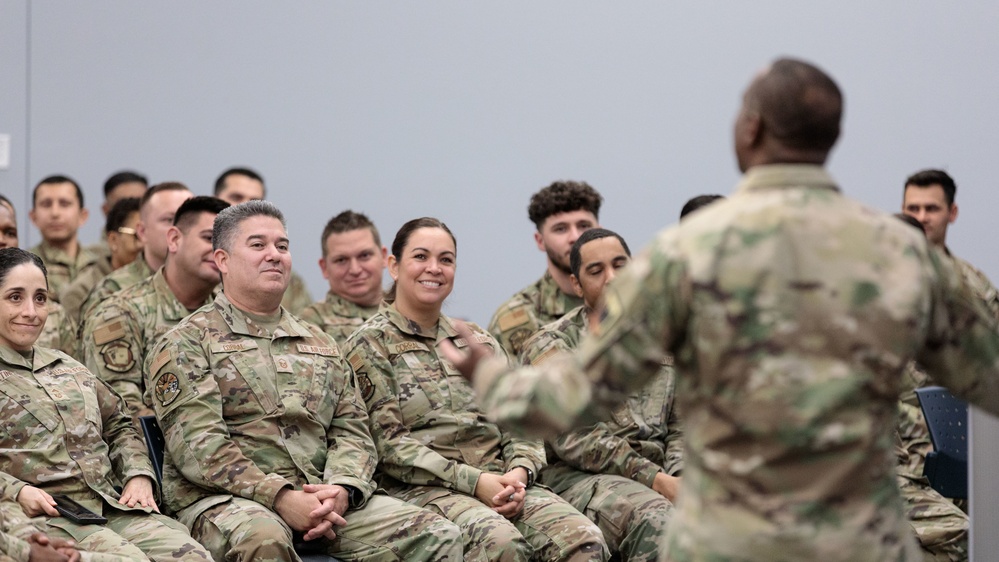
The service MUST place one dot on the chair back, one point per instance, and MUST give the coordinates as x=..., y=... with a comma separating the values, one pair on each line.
x=947, y=418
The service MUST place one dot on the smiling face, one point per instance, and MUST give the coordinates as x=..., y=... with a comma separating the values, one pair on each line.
x=424, y=273
x=257, y=269
x=23, y=299
x=353, y=265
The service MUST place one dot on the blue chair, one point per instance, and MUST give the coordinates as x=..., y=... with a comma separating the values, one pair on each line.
x=947, y=418
x=156, y=444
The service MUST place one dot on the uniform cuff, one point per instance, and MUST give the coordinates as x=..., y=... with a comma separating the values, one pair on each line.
x=266, y=491
x=647, y=474
x=466, y=479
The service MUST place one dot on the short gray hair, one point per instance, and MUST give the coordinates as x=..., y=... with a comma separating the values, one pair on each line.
x=229, y=219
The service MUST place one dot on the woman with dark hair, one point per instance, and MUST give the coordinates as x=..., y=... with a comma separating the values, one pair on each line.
x=64, y=432
x=435, y=448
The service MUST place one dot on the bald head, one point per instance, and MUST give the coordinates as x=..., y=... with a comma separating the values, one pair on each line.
x=791, y=113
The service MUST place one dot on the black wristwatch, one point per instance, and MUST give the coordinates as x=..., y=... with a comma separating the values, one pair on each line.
x=530, y=476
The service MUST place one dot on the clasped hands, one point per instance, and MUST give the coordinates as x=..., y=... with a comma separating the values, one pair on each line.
x=504, y=493
x=314, y=510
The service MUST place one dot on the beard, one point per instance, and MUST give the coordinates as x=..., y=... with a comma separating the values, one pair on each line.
x=561, y=262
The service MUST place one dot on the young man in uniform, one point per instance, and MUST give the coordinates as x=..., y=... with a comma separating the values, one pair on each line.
x=267, y=433
x=58, y=213
x=122, y=330
x=560, y=212
x=622, y=473
x=353, y=261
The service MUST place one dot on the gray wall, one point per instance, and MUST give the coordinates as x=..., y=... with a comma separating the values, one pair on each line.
x=463, y=110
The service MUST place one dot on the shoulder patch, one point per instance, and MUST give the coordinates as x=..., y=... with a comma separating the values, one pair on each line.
x=319, y=350
x=356, y=361
x=552, y=351
x=365, y=387
x=512, y=319
x=117, y=356
x=161, y=359
x=167, y=388
x=109, y=332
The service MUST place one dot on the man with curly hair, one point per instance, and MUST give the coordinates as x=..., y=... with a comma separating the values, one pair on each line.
x=561, y=212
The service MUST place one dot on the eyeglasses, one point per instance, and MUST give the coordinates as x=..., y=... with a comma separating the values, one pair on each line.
x=127, y=230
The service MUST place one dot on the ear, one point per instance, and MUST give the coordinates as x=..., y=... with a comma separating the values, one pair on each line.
x=384, y=254
x=539, y=240
x=576, y=287
x=105, y=208
x=113, y=241
x=393, y=267
x=953, y=213
x=84, y=215
x=221, y=261
x=322, y=267
x=140, y=232
x=173, y=239
x=752, y=129
x=31, y=215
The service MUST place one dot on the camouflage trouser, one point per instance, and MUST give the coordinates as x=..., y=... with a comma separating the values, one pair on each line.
x=940, y=526
x=915, y=436
x=384, y=529
x=130, y=535
x=547, y=529
x=632, y=516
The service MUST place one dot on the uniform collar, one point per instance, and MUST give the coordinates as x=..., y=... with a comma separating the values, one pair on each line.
x=343, y=307
x=775, y=176
x=240, y=323
x=40, y=358
x=445, y=328
x=552, y=300
x=173, y=309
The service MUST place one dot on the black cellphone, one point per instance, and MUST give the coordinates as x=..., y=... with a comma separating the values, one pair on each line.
x=76, y=512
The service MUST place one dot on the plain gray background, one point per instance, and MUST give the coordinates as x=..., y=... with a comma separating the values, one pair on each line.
x=462, y=110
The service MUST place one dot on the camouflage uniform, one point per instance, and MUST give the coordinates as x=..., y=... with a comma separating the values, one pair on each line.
x=59, y=332
x=940, y=526
x=121, y=332
x=606, y=470
x=65, y=431
x=296, y=296
x=433, y=443
x=791, y=312
x=61, y=268
x=75, y=294
x=247, y=412
x=526, y=312
x=115, y=281
x=338, y=316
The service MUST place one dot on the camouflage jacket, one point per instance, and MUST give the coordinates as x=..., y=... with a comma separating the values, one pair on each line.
x=114, y=282
x=246, y=413
x=423, y=415
x=527, y=311
x=337, y=316
x=121, y=332
x=296, y=296
x=75, y=294
x=59, y=332
x=61, y=268
x=65, y=431
x=15, y=527
x=642, y=439
x=979, y=283
x=791, y=312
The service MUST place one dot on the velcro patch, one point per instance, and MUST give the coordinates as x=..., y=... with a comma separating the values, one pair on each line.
x=319, y=350
x=4, y=375
x=162, y=359
x=356, y=361
x=545, y=356
x=406, y=346
x=477, y=338
x=229, y=347
x=118, y=357
x=109, y=332
x=513, y=319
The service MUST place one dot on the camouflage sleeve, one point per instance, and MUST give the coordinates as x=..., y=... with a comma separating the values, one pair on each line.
x=673, y=465
x=351, y=458
x=579, y=389
x=126, y=447
x=512, y=325
x=296, y=296
x=400, y=455
x=188, y=405
x=14, y=523
x=962, y=346
x=113, y=350
x=311, y=315
x=518, y=451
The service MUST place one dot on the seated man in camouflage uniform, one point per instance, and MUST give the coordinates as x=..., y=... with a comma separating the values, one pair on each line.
x=353, y=261
x=266, y=435
x=121, y=332
x=560, y=212
x=622, y=472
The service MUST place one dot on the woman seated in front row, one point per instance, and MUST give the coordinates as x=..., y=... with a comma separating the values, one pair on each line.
x=435, y=448
x=63, y=431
